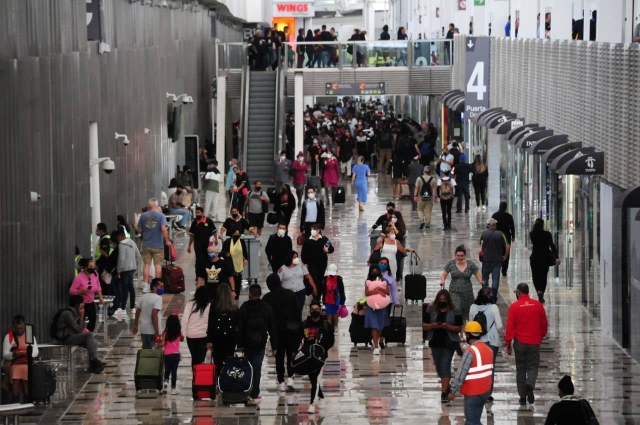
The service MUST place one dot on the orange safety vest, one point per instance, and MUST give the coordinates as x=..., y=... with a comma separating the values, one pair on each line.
x=478, y=380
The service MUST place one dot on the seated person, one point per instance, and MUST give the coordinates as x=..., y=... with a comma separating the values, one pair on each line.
x=177, y=208
x=71, y=331
x=14, y=353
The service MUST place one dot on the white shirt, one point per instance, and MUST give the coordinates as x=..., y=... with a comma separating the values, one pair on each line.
x=148, y=303
x=494, y=322
x=443, y=165
x=194, y=325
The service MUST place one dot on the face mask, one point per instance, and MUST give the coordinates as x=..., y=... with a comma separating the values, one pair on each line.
x=383, y=267
x=393, y=236
x=19, y=332
x=112, y=246
x=296, y=261
x=235, y=215
x=212, y=254
x=323, y=146
x=394, y=220
x=160, y=291
x=315, y=314
x=442, y=304
x=311, y=195
x=390, y=211
x=98, y=234
x=236, y=237
x=178, y=192
x=314, y=233
x=282, y=158
x=91, y=271
x=258, y=188
x=281, y=232
x=300, y=158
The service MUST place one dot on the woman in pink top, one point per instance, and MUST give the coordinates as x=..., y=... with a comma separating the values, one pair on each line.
x=300, y=169
x=171, y=339
x=87, y=284
x=330, y=174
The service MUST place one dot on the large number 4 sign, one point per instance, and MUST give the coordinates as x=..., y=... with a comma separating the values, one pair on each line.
x=476, y=83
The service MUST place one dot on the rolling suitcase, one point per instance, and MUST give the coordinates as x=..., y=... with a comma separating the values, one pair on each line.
x=374, y=161
x=42, y=382
x=173, y=278
x=359, y=334
x=314, y=181
x=149, y=370
x=235, y=381
x=415, y=287
x=341, y=195
x=204, y=379
x=404, y=191
x=397, y=329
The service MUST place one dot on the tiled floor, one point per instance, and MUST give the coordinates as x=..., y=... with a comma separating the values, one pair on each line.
x=400, y=386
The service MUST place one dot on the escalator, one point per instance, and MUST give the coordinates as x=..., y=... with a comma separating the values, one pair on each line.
x=261, y=109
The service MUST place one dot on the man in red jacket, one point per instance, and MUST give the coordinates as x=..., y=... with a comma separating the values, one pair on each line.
x=526, y=326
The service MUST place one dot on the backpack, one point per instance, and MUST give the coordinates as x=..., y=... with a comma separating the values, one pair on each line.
x=54, y=329
x=426, y=189
x=225, y=324
x=255, y=326
x=446, y=190
x=482, y=319
x=425, y=148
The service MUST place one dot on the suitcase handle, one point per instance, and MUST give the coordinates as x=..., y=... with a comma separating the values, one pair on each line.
x=393, y=314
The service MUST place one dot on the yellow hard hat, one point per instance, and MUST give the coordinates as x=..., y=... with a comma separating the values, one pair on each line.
x=473, y=328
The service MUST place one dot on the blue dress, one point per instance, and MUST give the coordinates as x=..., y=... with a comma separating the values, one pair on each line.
x=377, y=319
x=361, y=184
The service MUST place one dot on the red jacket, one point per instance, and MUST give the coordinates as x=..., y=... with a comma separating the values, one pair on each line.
x=526, y=321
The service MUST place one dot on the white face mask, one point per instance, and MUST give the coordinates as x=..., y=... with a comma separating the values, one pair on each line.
x=282, y=158
x=311, y=195
x=300, y=158
x=394, y=220
x=296, y=261
x=393, y=236
x=314, y=233
x=281, y=232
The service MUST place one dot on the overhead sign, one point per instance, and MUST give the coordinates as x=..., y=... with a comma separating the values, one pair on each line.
x=586, y=164
x=94, y=28
x=516, y=124
x=478, y=78
x=298, y=9
x=351, y=89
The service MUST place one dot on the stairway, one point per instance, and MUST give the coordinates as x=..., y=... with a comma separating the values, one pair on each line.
x=262, y=121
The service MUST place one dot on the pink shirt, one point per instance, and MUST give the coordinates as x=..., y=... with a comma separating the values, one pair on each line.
x=171, y=347
x=82, y=281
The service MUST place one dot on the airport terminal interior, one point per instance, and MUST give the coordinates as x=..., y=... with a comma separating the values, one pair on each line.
x=500, y=134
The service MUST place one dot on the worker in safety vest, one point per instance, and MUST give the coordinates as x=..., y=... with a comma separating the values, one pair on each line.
x=473, y=377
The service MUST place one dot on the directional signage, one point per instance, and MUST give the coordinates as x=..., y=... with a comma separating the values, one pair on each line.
x=351, y=89
x=478, y=78
x=516, y=124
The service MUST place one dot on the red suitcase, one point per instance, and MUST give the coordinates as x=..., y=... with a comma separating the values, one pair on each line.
x=204, y=381
x=173, y=278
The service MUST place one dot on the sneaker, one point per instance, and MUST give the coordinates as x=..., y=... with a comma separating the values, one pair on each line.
x=311, y=409
x=165, y=387
x=174, y=391
x=254, y=401
x=282, y=387
x=376, y=351
x=291, y=385
x=133, y=311
x=421, y=225
x=444, y=398
x=427, y=227
x=523, y=401
x=484, y=208
x=382, y=346
x=490, y=399
x=95, y=366
x=145, y=288
x=530, y=397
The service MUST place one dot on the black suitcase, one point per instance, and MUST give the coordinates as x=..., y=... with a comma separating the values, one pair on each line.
x=341, y=195
x=235, y=380
x=42, y=382
x=415, y=287
x=374, y=161
x=272, y=195
x=397, y=329
x=359, y=334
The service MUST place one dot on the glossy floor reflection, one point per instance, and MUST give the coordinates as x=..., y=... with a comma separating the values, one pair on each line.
x=398, y=387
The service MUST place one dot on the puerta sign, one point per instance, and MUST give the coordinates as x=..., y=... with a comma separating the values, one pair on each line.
x=478, y=78
x=350, y=89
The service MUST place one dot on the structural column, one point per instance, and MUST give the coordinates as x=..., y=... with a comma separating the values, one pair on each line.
x=94, y=182
x=611, y=21
x=298, y=92
x=221, y=123
x=561, y=14
x=528, y=19
x=369, y=16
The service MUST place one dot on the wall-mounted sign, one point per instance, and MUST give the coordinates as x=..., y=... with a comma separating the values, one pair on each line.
x=94, y=21
x=585, y=164
x=298, y=9
x=478, y=76
x=516, y=124
x=462, y=4
x=351, y=89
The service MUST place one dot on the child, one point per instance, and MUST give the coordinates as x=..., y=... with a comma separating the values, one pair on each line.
x=333, y=294
x=171, y=339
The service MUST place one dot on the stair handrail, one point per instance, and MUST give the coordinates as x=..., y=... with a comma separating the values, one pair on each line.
x=276, y=117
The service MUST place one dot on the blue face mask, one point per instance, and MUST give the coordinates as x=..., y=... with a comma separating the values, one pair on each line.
x=112, y=246
x=212, y=255
x=19, y=332
x=160, y=291
x=383, y=267
x=97, y=234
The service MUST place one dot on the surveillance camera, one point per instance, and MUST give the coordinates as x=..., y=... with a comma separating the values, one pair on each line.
x=126, y=141
x=187, y=100
x=35, y=197
x=108, y=166
x=147, y=131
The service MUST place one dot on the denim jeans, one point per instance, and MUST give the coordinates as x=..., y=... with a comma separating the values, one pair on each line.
x=493, y=371
x=255, y=357
x=473, y=406
x=442, y=360
x=125, y=284
x=186, y=215
x=148, y=341
x=171, y=362
x=492, y=268
x=117, y=292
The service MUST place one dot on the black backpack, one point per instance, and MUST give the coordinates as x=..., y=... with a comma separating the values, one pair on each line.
x=427, y=192
x=482, y=319
x=54, y=329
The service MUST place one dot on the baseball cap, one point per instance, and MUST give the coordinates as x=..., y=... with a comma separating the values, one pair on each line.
x=332, y=270
x=492, y=221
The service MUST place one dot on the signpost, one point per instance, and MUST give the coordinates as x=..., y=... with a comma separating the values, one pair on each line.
x=478, y=78
x=355, y=89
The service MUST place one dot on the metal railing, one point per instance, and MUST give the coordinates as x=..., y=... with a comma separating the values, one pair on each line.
x=349, y=54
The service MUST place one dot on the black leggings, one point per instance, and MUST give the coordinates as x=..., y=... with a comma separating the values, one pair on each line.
x=313, y=378
x=480, y=188
x=90, y=313
x=539, y=272
x=198, y=350
x=222, y=350
x=280, y=364
x=445, y=205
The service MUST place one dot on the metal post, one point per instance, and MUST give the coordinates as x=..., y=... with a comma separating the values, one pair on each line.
x=94, y=182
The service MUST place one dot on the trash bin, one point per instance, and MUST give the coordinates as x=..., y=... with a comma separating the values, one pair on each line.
x=252, y=270
x=373, y=241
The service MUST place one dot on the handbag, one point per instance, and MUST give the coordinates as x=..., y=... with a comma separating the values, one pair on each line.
x=481, y=254
x=106, y=277
x=272, y=217
x=300, y=239
x=551, y=259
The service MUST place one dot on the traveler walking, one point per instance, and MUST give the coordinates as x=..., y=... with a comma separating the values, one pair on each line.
x=385, y=219
x=229, y=184
x=216, y=270
x=543, y=254
x=508, y=228
x=222, y=326
x=255, y=321
x=445, y=162
x=441, y=325
x=236, y=223
x=331, y=176
x=332, y=291
x=488, y=315
x=281, y=171
x=285, y=205
x=241, y=189
x=425, y=195
x=149, y=315
x=300, y=48
x=312, y=213
x=376, y=319
x=316, y=330
x=571, y=409
x=87, y=284
x=461, y=269
x=212, y=182
x=473, y=377
x=494, y=249
x=152, y=225
x=397, y=172
x=170, y=344
x=461, y=172
x=195, y=321
x=479, y=179
x=292, y=275
x=446, y=193
x=385, y=146
x=414, y=173
x=278, y=245
x=314, y=254
x=346, y=151
x=359, y=178
x=300, y=170
x=389, y=247
x=284, y=304
x=200, y=233
x=257, y=205
x=239, y=256
x=526, y=326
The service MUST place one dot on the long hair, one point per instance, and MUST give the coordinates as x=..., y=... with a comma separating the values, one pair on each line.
x=224, y=299
x=122, y=222
x=371, y=269
x=479, y=165
x=200, y=300
x=483, y=297
x=172, y=329
x=538, y=225
x=450, y=305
